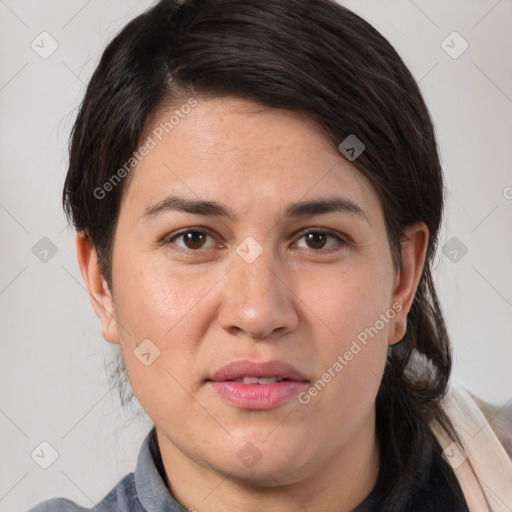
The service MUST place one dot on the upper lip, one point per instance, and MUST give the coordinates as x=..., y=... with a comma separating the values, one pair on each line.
x=244, y=368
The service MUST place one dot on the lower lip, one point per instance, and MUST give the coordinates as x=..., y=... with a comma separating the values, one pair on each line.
x=258, y=397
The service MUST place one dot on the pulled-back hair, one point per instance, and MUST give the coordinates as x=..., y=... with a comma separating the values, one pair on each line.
x=309, y=56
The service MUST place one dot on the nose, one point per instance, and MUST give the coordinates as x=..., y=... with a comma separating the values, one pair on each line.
x=258, y=299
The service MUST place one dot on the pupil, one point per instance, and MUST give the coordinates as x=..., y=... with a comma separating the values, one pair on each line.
x=319, y=240
x=194, y=239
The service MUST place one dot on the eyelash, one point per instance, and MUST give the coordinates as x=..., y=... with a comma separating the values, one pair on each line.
x=170, y=239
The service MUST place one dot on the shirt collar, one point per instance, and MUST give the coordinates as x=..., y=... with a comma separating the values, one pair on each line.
x=151, y=489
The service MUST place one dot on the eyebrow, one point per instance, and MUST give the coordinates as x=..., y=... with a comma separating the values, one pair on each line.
x=294, y=210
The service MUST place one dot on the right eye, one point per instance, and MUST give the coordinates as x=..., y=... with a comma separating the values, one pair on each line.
x=193, y=239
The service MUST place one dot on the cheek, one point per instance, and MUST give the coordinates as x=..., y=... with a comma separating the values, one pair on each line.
x=348, y=300
x=156, y=301
x=352, y=306
x=153, y=304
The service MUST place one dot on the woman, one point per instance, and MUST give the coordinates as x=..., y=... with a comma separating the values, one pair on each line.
x=257, y=195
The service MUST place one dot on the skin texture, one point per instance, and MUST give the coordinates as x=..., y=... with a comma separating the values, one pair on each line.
x=302, y=301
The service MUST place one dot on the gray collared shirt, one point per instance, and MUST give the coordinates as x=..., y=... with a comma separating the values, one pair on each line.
x=143, y=490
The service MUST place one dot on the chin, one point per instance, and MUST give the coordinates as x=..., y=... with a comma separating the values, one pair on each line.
x=264, y=464
x=266, y=474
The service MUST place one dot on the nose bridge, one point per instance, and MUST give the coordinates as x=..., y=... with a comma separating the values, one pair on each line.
x=256, y=300
x=253, y=273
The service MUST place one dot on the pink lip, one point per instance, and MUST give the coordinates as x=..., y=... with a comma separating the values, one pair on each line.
x=244, y=368
x=257, y=396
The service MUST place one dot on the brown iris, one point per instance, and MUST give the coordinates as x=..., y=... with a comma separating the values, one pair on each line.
x=194, y=239
x=317, y=239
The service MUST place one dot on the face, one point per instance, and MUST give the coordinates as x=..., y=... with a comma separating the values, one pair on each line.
x=253, y=279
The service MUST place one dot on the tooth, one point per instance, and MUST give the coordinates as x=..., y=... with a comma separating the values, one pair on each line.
x=267, y=380
x=250, y=380
x=258, y=380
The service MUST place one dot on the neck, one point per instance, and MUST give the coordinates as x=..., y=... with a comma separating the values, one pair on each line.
x=345, y=480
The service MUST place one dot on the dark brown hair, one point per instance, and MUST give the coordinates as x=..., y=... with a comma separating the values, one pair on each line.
x=310, y=56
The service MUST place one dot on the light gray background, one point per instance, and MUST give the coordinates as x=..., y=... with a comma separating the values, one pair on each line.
x=52, y=379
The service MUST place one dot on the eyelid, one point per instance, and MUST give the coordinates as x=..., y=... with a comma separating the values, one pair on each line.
x=342, y=238
x=167, y=239
x=327, y=231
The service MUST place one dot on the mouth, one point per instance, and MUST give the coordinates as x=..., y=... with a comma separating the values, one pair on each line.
x=259, y=380
x=257, y=385
x=256, y=372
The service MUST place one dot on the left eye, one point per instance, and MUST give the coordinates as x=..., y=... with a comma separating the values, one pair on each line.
x=318, y=239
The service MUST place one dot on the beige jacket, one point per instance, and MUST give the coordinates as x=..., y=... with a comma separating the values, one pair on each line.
x=481, y=465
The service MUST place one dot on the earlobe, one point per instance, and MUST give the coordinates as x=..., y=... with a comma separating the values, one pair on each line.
x=414, y=249
x=99, y=292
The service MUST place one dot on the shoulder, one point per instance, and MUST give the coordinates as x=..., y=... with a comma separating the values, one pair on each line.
x=472, y=414
x=478, y=456
x=500, y=420
x=476, y=416
x=122, y=498
x=57, y=505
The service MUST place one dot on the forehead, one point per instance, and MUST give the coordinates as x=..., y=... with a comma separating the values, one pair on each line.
x=243, y=154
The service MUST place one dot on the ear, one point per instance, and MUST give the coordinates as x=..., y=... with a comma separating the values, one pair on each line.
x=414, y=249
x=99, y=293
